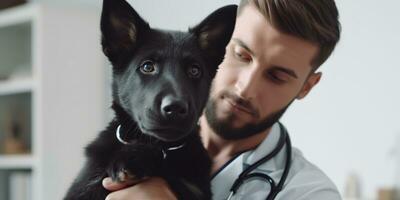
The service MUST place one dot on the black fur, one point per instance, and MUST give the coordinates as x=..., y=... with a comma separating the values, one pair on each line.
x=161, y=81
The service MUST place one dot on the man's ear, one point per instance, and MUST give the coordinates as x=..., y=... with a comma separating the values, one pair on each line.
x=215, y=31
x=312, y=80
x=121, y=26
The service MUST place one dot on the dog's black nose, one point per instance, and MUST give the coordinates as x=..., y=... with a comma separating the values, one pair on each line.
x=173, y=108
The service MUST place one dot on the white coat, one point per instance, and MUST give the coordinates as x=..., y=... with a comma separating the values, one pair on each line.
x=304, y=182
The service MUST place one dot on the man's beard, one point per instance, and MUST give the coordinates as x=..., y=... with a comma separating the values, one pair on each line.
x=224, y=128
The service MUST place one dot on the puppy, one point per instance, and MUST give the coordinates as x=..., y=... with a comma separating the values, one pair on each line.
x=161, y=81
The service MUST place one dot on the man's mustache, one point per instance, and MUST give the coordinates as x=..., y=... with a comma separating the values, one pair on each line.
x=243, y=103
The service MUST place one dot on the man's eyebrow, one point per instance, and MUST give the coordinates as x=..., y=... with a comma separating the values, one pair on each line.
x=290, y=72
x=243, y=45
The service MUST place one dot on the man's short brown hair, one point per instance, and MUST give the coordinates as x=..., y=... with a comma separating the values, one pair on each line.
x=312, y=20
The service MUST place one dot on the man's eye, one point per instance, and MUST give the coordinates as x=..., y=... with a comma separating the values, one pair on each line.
x=148, y=67
x=194, y=71
x=240, y=54
x=277, y=78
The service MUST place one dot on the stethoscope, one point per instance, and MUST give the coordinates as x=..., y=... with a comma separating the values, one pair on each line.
x=247, y=174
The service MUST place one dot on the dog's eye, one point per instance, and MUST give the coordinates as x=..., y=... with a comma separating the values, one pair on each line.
x=148, y=67
x=194, y=71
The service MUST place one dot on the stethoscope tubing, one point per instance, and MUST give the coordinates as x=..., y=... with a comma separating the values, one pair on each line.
x=247, y=175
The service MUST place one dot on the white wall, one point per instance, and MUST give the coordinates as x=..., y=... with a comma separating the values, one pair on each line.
x=350, y=122
x=70, y=107
x=177, y=14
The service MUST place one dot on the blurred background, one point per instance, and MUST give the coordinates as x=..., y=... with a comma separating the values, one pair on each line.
x=55, y=94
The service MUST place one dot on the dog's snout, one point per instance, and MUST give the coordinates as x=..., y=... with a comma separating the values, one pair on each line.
x=174, y=108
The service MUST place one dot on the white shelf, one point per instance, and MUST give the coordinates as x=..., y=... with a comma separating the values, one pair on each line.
x=16, y=162
x=37, y=40
x=16, y=86
x=17, y=15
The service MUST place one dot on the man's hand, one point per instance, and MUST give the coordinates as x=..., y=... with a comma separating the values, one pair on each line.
x=153, y=188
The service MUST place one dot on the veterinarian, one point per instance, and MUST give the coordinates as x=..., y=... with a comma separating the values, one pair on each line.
x=272, y=59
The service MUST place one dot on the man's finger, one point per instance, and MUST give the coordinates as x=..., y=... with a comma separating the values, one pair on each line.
x=110, y=185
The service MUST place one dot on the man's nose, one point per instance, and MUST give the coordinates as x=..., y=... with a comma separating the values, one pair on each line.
x=247, y=83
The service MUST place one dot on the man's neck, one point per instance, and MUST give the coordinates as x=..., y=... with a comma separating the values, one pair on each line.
x=221, y=150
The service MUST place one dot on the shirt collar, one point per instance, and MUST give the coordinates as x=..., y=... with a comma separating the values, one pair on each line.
x=266, y=147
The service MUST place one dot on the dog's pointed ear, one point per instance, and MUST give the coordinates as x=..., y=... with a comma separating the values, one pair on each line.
x=121, y=26
x=215, y=31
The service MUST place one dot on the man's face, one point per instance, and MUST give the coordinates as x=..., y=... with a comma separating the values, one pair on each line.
x=264, y=70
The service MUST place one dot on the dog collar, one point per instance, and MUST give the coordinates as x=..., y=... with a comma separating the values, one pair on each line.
x=164, y=150
x=118, y=134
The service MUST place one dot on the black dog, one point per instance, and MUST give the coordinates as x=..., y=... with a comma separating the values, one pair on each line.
x=161, y=81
